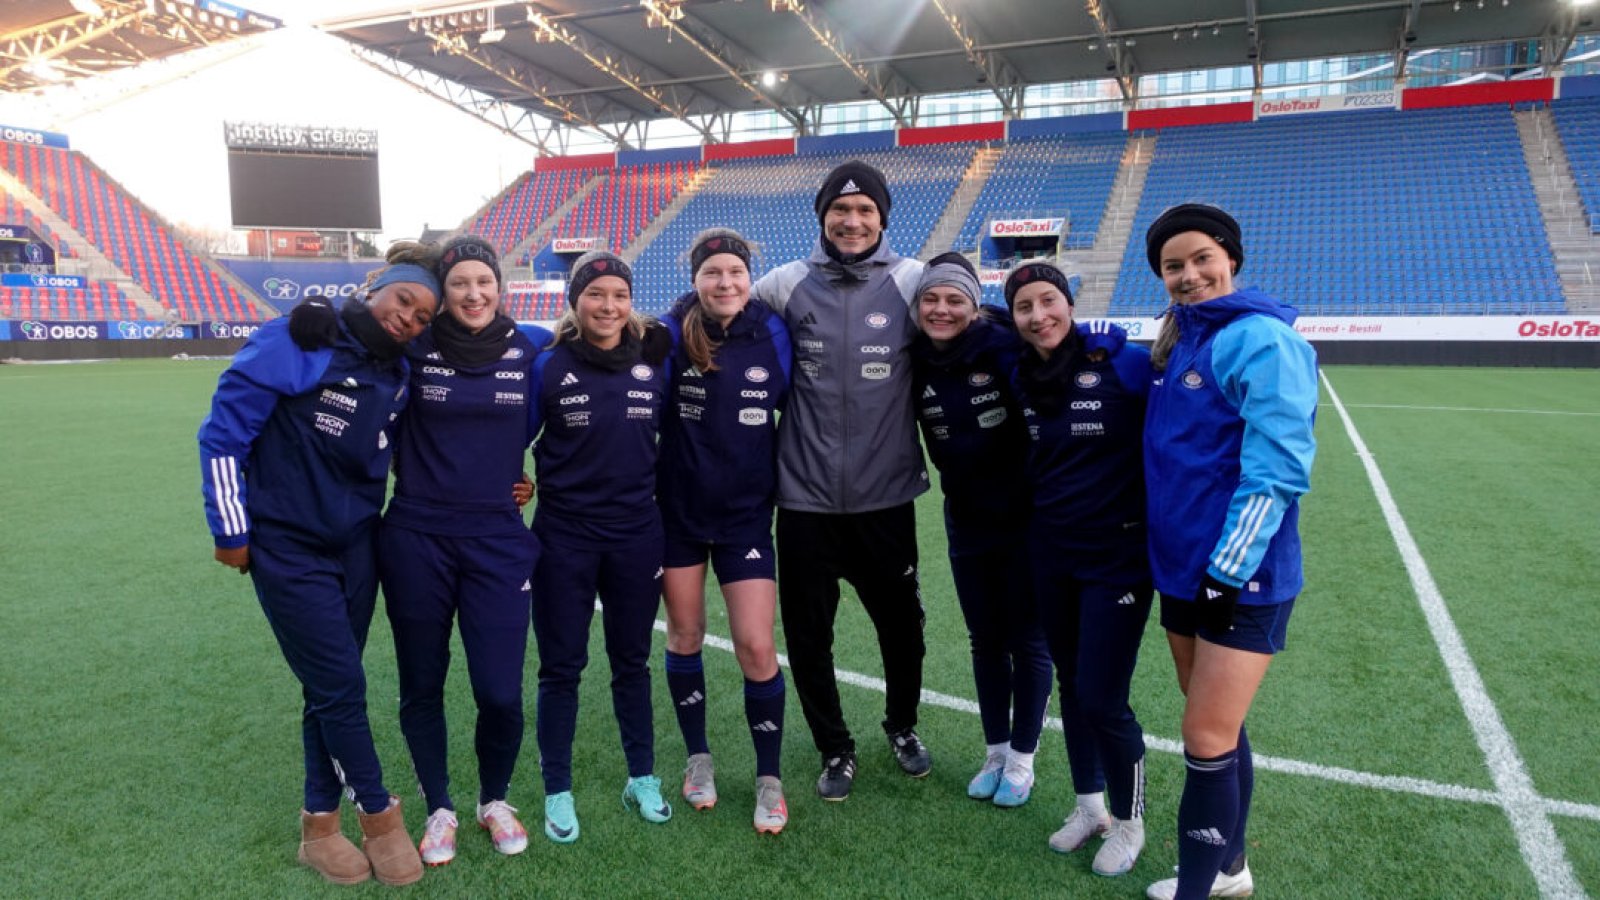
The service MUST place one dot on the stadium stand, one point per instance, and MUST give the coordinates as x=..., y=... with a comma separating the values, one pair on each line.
x=120, y=226
x=100, y=300
x=1362, y=213
x=15, y=212
x=542, y=307
x=1578, y=123
x=621, y=207
x=1040, y=177
x=529, y=201
x=769, y=201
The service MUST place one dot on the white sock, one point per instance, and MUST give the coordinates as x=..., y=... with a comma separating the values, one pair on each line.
x=994, y=756
x=1019, y=765
x=1093, y=803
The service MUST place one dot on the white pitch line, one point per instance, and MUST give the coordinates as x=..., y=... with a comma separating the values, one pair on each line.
x=1485, y=409
x=1395, y=783
x=1541, y=847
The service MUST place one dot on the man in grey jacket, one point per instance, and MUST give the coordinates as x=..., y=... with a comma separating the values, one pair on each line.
x=850, y=467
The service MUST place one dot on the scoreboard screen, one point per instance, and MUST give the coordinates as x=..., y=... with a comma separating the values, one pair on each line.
x=298, y=190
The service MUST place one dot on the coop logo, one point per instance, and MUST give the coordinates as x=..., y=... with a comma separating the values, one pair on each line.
x=573, y=400
x=510, y=376
x=981, y=399
x=1086, y=404
x=39, y=331
x=1579, y=328
x=640, y=395
x=281, y=289
x=225, y=330
x=441, y=371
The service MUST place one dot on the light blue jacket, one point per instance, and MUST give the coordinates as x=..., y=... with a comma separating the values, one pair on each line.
x=1228, y=447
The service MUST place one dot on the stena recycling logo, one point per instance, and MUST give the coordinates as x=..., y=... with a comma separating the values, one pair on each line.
x=34, y=331
x=281, y=288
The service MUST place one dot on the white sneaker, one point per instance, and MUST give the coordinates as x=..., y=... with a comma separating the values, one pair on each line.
x=438, y=844
x=1240, y=885
x=499, y=818
x=1078, y=829
x=1124, y=841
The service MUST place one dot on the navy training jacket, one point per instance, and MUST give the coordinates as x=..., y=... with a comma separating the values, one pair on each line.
x=1085, y=463
x=973, y=428
x=461, y=442
x=595, y=457
x=298, y=441
x=718, y=472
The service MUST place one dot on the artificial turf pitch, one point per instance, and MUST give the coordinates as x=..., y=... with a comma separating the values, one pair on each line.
x=150, y=741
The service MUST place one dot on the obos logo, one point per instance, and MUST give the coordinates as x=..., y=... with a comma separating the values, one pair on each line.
x=877, y=320
x=225, y=330
x=1192, y=380
x=979, y=379
x=1087, y=379
x=756, y=374
x=219, y=329
x=129, y=330
x=34, y=331
x=281, y=288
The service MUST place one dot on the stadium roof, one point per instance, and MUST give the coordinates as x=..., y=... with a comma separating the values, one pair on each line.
x=43, y=42
x=609, y=65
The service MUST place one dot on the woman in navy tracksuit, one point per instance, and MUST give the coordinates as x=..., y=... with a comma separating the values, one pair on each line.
x=1083, y=392
x=295, y=456
x=1228, y=453
x=973, y=429
x=716, y=483
x=597, y=395
x=453, y=544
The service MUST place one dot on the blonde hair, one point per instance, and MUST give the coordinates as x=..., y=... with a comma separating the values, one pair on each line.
x=697, y=343
x=1166, y=339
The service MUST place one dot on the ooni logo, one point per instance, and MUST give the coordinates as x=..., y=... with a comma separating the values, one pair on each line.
x=34, y=331
x=281, y=288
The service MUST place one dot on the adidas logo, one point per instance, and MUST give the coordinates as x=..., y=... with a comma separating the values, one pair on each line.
x=659, y=571
x=1207, y=836
x=527, y=584
x=910, y=571
x=1212, y=593
x=810, y=319
x=850, y=187
x=766, y=727
x=1125, y=599
x=569, y=378
x=753, y=554
x=927, y=393
x=434, y=355
x=690, y=372
x=692, y=699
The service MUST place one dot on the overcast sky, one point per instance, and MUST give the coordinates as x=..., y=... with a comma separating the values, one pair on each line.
x=163, y=140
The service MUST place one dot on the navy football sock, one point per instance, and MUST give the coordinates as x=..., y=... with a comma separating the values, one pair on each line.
x=686, y=683
x=1207, y=817
x=763, y=708
x=1247, y=784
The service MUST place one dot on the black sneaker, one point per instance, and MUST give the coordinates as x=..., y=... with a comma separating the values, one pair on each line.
x=910, y=753
x=838, y=774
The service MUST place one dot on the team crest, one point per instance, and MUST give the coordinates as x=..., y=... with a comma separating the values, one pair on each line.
x=1087, y=379
x=641, y=372
x=877, y=320
x=512, y=353
x=1192, y=380
x=756, y=374
x=979, y=379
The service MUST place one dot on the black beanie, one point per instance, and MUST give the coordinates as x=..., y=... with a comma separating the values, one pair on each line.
x=463, y=247
x=592, y=265
x=854, y=177
x=713, y=241
x=1030, y=272
x=953, y=258
x=1202, y=217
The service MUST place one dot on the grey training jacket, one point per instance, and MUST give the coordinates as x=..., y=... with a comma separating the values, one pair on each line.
x=847, y=442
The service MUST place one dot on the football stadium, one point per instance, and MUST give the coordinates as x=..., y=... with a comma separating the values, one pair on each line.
x=1418, y=179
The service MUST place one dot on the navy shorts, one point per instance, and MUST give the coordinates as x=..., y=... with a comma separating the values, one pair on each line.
x=1258, y=629
x=741, y=559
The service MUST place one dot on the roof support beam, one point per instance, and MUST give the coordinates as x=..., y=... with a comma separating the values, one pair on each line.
x=878, y=81
x=993, y=69
x=1121, y=63
x=549, y=136
x=1404, y=40
x=1252, y=36
x=1557, y=40
x=626, y=70
x=53, y=40
x=713, y=46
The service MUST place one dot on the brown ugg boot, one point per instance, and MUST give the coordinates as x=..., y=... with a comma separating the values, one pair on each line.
x=388, y=847
x=325, y=848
